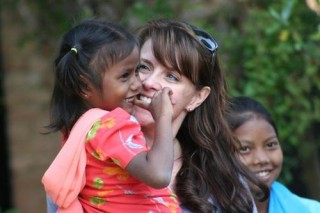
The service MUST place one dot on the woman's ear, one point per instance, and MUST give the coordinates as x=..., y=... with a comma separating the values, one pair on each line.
x=199, y=98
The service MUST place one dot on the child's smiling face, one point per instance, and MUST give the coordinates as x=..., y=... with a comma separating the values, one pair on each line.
x=260, y=149
x=120, y=85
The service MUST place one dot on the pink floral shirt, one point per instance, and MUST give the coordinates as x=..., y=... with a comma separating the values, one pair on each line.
x=113, y=141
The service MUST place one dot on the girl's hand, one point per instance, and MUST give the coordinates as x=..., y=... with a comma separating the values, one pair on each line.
x=161, y=104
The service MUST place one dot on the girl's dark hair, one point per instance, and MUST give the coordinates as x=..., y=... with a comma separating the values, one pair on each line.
x=86, y=52
x=242, y=109
x=211, y=169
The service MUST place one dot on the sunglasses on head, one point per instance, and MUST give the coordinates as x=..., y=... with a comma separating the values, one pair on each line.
x=206, y=39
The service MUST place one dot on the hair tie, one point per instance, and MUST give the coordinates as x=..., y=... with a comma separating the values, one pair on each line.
x=74, y=50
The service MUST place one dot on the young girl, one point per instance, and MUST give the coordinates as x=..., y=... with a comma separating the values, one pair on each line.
x=105, y=164
x=260, y=150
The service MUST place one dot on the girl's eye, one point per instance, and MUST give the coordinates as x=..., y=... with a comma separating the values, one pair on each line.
x=272, y=145
x=244, y=149
x=125, y=75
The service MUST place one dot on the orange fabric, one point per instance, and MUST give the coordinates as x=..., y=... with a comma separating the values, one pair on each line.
x=65, y=177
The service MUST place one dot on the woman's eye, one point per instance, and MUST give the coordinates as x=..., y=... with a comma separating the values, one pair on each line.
x=244, y=149
x=172, y=77
x=141, y=68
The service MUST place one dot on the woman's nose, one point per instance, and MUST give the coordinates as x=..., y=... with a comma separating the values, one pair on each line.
x=151, y=82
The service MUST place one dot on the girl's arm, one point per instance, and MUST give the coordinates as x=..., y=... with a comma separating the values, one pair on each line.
x=155, y=166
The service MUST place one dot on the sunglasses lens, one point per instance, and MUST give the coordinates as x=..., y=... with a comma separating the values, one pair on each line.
x=210, y=44
x=206, y=39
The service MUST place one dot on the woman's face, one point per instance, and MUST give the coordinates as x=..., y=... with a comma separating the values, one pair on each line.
x=154, y=77
x=260, y=149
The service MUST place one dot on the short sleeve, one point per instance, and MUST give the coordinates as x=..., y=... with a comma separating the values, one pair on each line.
x=117, y=136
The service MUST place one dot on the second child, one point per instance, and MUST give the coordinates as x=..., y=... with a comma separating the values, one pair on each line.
x=260, y=150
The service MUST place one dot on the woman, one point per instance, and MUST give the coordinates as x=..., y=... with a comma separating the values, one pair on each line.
x=261, y=152
x=184, y=58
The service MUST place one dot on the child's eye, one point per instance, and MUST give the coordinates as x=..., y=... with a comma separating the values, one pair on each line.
x=244, y=149
x=272, y=145
x=125, y=75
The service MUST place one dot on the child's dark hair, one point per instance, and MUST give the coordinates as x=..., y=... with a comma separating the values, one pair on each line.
x=242, y=109
x=86, y=52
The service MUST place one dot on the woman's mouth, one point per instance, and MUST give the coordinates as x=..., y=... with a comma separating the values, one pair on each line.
x=145, y=99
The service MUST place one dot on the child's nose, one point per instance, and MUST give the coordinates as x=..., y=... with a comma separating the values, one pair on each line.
x=261, y=157
x=136, y=83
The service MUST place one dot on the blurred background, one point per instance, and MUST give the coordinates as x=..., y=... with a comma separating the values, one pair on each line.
x=269, y=50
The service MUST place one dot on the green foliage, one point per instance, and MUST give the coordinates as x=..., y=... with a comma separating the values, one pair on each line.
x=47, y=20
x=144, y=11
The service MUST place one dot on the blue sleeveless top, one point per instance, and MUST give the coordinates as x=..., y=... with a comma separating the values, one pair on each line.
x=282, y=200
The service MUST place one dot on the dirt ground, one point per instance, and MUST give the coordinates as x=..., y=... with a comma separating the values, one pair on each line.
x=27, y=88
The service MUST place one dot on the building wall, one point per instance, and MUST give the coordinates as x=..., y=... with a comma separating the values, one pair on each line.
x=27, y=87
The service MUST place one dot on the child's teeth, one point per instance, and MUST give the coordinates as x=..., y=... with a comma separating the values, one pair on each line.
x=262, y=174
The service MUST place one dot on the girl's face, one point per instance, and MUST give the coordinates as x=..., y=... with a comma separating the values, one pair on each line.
x=154, y=77
x=120, y=85
x=260, y=149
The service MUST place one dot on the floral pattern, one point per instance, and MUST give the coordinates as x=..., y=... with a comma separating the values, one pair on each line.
x=111, y=144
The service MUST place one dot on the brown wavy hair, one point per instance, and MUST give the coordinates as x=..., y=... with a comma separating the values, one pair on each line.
x=211, y=169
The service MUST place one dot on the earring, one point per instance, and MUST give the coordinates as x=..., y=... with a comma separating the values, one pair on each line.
x=189, y=109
